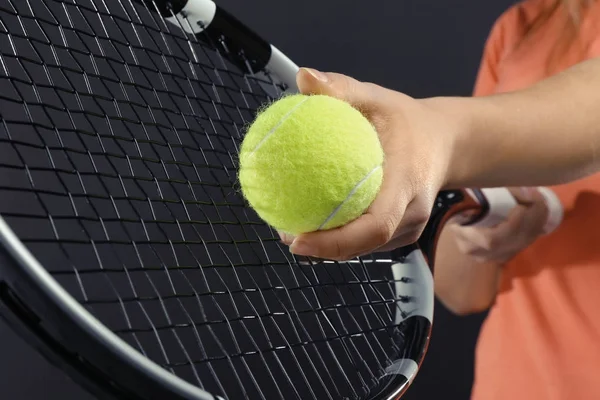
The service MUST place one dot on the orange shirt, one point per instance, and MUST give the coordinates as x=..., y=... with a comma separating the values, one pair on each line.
x=541, y=339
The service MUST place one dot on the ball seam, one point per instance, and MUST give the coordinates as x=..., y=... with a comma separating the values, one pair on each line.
x=349, y=196
x=276, y=127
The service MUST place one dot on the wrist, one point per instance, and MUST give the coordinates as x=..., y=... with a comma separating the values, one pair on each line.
x=469, y=145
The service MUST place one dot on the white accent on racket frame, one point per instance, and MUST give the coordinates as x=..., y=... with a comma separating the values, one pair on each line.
x=45, y=282
x=284, y=68
x=195, y=15
x=403, y=366
x=413, y=278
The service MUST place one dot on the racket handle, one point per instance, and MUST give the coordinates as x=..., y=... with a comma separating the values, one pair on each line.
x=501, y=202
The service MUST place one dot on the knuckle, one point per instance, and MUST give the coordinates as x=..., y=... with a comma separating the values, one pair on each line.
x=533, y=231
x=473, y=249
x=490, y=242
x=286, y=238
x=413, y=236
x=337, y=251
x=467, y=234
x=466, y=247
x=386, y=226
x=345, y=87
x=420, y=218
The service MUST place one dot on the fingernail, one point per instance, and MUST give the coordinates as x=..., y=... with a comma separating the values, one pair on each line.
x=300, y=248
x=285, y=238
x=318, y=75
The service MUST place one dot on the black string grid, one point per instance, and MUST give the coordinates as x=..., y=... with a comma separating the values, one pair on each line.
x=118, y=143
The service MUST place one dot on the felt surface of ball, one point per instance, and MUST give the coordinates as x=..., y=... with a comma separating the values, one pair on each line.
x=310, y=163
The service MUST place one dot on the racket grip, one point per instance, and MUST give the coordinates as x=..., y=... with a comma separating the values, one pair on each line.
x=501, y=202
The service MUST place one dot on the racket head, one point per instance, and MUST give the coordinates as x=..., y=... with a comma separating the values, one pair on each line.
x=129, y=257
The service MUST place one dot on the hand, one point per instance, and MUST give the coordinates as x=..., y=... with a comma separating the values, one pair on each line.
x=417, y=143
x=499, y=244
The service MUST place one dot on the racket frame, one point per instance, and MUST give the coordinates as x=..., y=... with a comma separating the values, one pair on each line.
x=71, y=338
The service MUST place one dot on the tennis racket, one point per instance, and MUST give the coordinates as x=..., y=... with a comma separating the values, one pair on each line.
x=128, y=257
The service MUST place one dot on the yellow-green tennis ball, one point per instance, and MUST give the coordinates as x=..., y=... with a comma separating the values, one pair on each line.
x=310, y=163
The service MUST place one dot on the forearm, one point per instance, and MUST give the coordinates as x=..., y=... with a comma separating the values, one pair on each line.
x=462, y=284
x=546, y=134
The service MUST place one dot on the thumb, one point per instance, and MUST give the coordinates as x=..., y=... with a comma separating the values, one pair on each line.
x=358, y=94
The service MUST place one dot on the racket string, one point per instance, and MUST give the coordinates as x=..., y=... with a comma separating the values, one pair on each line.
x=126, y=131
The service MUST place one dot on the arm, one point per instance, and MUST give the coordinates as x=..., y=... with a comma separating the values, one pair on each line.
x=547, y=134
x=463, y=284
x=470, y=259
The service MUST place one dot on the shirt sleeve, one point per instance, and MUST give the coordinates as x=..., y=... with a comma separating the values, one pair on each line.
x=594, y=49
x=499, y=40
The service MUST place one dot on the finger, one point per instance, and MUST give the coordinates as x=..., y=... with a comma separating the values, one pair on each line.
x=481, y=247
x=398, y=242
x=412, y=225
x=523, y=195
x=532, y=214
x=509, y=228
x=285, y=238
x=535, y=219
x=471, y=239
x=361, y=236
x=475, y=240
x=367, y=234
x=387, y=215
x=342, y=243
x=415, y=217
x=358, y=94
x=523, y=225
x=345, y=253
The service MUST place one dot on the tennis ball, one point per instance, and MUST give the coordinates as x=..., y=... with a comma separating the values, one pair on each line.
x=310, y=163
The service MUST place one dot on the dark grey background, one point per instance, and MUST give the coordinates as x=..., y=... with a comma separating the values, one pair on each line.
x=421, y=47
